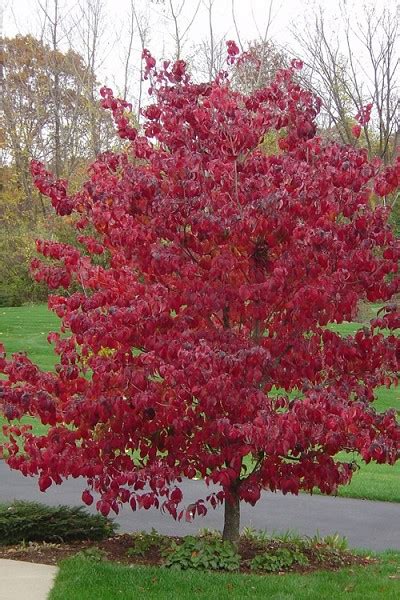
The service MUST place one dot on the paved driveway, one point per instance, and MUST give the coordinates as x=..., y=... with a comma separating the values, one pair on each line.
x=372, y=525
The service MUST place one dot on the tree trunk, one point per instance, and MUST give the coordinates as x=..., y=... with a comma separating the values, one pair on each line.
x=57, y=125
x=232, y=518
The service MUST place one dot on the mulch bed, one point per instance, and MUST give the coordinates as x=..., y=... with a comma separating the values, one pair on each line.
x=116, y=549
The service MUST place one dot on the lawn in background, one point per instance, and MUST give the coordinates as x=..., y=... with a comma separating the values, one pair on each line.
x=374, y=482
x=26, y=328
x=90, y=580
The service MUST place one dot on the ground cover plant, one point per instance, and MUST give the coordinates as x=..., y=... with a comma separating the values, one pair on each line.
x=256, y=552
x=221, y=268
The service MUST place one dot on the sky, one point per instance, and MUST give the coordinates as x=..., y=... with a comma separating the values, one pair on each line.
x=22, y=16
x=19, y=15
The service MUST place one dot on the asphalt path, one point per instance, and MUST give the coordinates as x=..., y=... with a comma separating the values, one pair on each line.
x=365, y=524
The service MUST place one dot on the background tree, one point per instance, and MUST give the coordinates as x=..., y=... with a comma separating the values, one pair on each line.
x=225, y=266
x=356, y=64
x=138, y=24
x=38, y=123
x=29, y=113
x=210, y=54
x=89, y=29
x=263, y=58
x=262, y=63
x=173, y=10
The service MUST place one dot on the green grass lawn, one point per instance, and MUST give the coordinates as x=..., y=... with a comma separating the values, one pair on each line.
x=374, y=482
x=83, y=579
x=26, y=328
x=345, y=328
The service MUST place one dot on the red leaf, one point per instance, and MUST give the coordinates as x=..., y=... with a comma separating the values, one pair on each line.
x=87, y=497
x=44, y=482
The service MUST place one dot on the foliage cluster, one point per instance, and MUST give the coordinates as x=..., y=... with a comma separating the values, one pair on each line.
x=280, y=559
x=202, y=553
x=143, y=542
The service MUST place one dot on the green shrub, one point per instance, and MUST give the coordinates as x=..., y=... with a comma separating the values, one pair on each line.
x=17, y=248
x=200, y=553
x=143, y=542
x=34, y=522
x=281, y=558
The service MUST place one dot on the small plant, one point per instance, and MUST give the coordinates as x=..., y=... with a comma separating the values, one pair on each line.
x=324, y=554
x=93, y=553
x=143, y=542
x=249, y=533
x=208, y=534
x=290, y=536
x=336, y=542
x=32, y=547
x=200, y=553
x=282, y=558
x=333, y=541
x=35, y=522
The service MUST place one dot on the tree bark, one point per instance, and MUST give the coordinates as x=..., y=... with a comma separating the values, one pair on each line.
x=232, y=519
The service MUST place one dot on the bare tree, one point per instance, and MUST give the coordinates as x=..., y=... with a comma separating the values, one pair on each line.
x=181, y=27
x=264, y=56
x=51, y=23
x=67, y=75
x=209, y=56
x=138, y=32
x=380, y=35
x=91, y=28
x=234, y=19
x=326, y=73
x=128, y=56
x=355, y=65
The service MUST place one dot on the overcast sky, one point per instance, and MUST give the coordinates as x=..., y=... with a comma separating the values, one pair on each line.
x=22, y=16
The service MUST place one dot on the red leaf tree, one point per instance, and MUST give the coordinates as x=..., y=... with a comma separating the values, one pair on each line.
x=199, y=343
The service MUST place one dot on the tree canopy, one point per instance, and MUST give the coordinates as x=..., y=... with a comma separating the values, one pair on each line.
x=201, y=346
